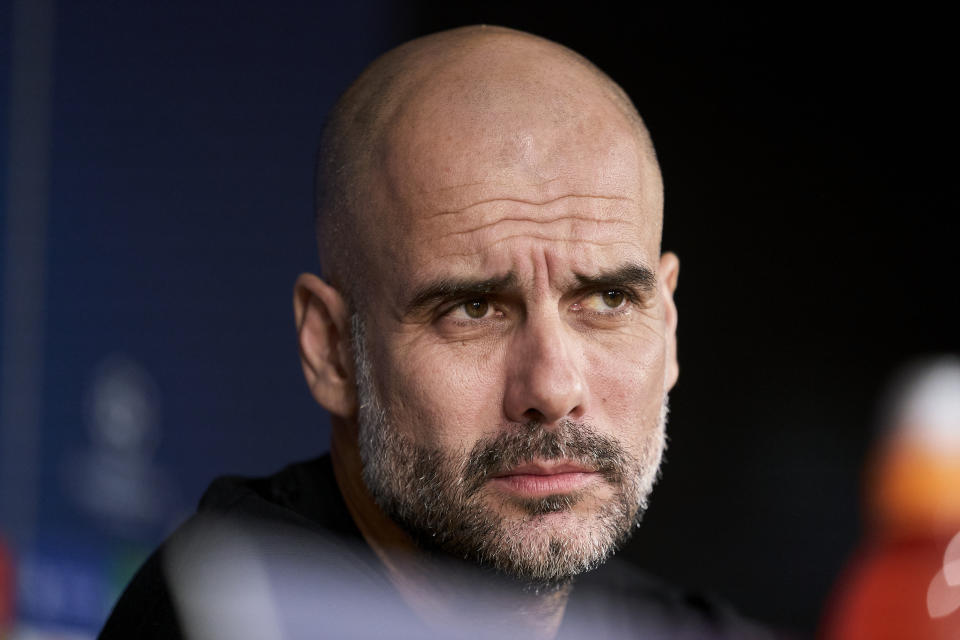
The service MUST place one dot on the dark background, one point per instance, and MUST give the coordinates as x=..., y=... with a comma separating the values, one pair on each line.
x=809, y=164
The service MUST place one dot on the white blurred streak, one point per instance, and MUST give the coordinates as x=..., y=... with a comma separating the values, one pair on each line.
x=27, y=201
x=943, y=594
x=951, y=562
x=242, y=578
x=221, y=588
x=236, y=580
x=942, y=599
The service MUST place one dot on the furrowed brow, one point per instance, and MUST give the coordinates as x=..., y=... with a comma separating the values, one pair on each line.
x=456, y=288
x=637, y=276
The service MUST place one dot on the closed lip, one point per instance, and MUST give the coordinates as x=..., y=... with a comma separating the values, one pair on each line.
x=544, y=468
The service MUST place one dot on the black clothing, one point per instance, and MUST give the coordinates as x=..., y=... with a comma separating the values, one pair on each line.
x=287, y=560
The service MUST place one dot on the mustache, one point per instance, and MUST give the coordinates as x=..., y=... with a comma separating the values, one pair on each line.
x=574, y=441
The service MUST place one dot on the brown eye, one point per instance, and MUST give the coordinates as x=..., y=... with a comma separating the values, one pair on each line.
x=476, y=308
x=613, y=298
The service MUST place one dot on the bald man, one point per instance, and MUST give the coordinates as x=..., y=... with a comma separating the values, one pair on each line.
x=494, y=336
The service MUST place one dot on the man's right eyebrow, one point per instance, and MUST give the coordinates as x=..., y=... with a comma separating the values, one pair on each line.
x=444, y=289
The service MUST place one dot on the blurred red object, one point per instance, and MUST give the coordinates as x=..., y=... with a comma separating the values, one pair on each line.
x=904, y=581
x=893, y=590
x=7, y=593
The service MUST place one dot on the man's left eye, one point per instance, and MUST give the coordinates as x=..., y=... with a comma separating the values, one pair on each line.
x=613, y=298
x=476, y=308
x=605, y=301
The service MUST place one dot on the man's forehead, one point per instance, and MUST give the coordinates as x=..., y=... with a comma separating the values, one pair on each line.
x=465, y=205
x=448, y=182
x=456, y=194
x=525, y=258
x=493, y=149
x=461, y=151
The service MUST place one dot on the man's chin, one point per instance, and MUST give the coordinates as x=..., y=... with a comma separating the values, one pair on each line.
x=540, y=543
x=546, y=552
x=581, y=504
x=554, y=538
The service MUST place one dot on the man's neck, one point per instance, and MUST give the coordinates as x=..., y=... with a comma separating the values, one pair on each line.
x=443, y=596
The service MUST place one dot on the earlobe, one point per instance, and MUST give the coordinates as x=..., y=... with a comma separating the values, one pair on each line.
x=668, y=275
x=323, y=334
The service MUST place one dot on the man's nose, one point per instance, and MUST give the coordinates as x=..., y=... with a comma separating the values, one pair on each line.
x=545, y=374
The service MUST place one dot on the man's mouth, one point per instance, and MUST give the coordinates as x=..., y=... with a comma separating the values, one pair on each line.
x=542, y=478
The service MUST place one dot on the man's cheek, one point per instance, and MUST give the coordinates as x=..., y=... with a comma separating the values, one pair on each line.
x=474, y=407
x=450, y=403
x=627, y=378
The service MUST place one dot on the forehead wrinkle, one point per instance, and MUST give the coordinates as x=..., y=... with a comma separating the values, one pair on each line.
x=485, y=248
x=489, y=183
x=539, y=203
x=573, y=217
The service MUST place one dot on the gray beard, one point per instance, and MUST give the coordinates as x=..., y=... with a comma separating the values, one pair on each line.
x=437, y=496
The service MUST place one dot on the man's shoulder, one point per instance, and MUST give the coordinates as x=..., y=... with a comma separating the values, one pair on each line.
x=247, y=531
x=301, y=495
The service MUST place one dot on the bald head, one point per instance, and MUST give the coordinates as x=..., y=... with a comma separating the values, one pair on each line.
x=413, y=120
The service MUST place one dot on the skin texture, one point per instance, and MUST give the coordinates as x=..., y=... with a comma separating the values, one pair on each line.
x=485, y=155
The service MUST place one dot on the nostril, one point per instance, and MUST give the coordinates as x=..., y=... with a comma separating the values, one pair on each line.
x=534, y=415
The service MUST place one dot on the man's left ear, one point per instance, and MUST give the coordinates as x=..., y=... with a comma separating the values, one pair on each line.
x=667, y=277
x=323, y=331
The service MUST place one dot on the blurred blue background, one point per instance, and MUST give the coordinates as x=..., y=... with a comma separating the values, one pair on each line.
x=178, y=180
x=156, y=209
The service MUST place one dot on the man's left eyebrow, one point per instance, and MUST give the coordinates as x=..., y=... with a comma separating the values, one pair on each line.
x=456, y=288
x=637, y=276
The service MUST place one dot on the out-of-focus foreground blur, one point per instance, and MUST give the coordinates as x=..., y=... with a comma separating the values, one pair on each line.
x=156, y=163
x=904, y=581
